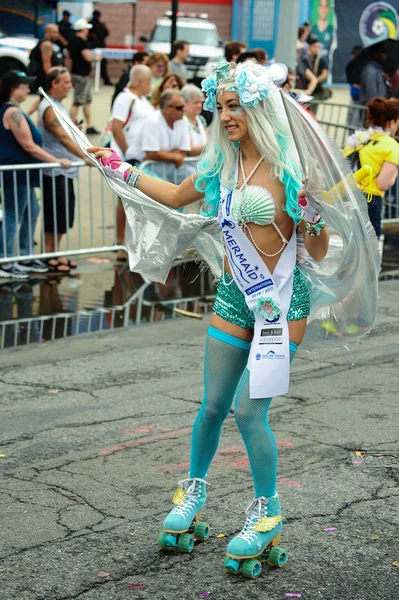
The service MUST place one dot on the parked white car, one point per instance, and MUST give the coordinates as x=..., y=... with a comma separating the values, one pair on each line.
x=202, y=35
x=14, y=52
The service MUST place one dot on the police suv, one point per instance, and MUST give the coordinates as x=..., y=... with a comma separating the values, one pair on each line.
x=14, y=52
x=202, y=35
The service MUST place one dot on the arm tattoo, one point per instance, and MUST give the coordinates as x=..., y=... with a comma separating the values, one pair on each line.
x=55, y=123
x=47, y=48
x=17, y=117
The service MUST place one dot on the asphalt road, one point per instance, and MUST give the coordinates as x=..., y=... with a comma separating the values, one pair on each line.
x=95, y=434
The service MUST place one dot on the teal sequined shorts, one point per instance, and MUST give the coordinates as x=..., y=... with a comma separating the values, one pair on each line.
x=230, y=302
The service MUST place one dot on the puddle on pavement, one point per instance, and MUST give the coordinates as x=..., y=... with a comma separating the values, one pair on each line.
x=99, y=295
x=102, y=294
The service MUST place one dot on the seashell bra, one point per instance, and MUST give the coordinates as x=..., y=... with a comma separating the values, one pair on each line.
x=254, y=204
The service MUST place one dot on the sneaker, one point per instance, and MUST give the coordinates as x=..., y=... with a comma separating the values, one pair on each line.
x=33, y=266
x=92, y=131
x=304, y=98
x=13, y=272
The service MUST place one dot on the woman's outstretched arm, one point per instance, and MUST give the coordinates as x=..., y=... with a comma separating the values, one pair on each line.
x=161, y=191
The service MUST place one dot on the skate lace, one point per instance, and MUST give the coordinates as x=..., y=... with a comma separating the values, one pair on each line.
x=257, y=509
x=193, y=492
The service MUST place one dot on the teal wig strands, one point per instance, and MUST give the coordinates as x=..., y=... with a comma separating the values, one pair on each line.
x=208, y=183
x=292, y=182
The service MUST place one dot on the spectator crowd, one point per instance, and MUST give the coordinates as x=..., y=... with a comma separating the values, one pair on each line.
x=156, y=115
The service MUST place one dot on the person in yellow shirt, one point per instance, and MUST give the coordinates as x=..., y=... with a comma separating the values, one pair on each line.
x=377, y=148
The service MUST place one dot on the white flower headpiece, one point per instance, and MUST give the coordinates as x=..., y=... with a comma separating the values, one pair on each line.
x=243, y=79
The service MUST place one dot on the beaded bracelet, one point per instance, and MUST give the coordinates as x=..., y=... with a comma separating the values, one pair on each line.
x=316, y=229
x=133, y=178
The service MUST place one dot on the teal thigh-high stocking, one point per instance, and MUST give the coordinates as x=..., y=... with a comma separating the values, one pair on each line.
x=225, y=360
x=251, y=415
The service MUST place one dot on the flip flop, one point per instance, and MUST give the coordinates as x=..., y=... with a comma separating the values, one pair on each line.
x=68, y=263
x=57, y=267
x=121, y=256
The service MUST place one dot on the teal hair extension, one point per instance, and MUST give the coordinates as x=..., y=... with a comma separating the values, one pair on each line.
x=291, y=181
x=208, y=183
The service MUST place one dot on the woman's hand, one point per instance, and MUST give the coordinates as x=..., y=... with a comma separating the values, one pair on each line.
x=112, y=163
x=308, y=213
x=100, y=152
x=64, y=162
x=179, y=160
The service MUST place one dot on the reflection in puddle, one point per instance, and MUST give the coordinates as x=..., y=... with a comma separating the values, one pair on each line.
x=102, y=295
x=98, y=296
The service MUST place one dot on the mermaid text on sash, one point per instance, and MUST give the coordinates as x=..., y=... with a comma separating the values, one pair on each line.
x=239, y=255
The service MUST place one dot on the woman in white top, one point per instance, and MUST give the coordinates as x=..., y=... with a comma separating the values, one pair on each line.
x=194, y=99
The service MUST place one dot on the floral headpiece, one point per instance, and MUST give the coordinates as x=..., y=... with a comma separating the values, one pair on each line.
x=229, y=77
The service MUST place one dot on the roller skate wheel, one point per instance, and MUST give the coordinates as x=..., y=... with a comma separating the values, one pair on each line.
x=232, y=565
x=167, y=541
x=278, y=557
x=201, y=531
x=185, y=542
x=251, y=569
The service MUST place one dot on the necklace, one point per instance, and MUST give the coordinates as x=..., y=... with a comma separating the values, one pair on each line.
x=247, y=231
x=246, y=179
x=244, y=225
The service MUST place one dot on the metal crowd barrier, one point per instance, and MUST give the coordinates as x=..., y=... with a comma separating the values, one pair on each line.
x=168, y=172
x=22, y=195
x=94, y=227
x=340, y=121
x=391, y=205
x=28, y=220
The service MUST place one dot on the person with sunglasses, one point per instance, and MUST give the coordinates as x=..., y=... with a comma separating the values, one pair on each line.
x=164, y=136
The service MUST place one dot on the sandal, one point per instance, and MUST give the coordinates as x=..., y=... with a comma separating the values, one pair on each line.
x=121, y=256
x=57, y=267
x=68, y=263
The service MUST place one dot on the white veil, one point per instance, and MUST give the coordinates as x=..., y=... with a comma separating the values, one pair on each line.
x=343, y=287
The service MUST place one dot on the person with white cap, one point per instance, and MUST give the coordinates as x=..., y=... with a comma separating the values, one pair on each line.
x=79, y=61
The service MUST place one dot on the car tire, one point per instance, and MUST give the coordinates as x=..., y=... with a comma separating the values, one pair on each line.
x=10, y=64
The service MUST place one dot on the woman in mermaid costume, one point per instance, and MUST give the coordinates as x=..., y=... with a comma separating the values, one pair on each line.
x=251, y=178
